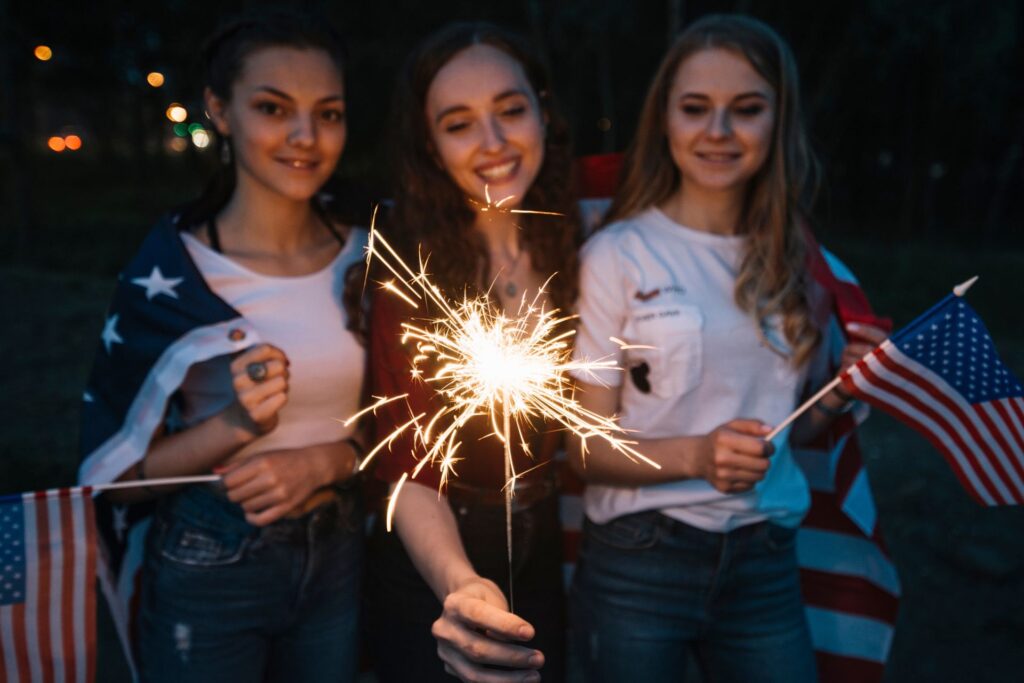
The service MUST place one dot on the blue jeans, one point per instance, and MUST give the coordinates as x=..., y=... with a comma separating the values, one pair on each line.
x=222, y=600
x=650, y=590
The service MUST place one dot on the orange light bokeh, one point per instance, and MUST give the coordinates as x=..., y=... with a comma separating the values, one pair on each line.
x=155, y=79
x=43, y=53
x=73, y=142
x=177, y=113
x=56, y=143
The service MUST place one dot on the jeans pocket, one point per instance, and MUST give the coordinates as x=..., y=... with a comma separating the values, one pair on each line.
x=779, y=538
x=195, y=546
x=630, y=532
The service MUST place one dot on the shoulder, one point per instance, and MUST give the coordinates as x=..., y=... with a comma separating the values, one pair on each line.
x=616, y=239
x=161, y=243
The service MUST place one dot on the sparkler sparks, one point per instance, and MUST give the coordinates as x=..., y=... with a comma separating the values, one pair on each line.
x=483, y=362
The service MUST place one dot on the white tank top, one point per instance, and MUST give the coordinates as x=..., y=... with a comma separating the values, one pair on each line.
x=304, y=317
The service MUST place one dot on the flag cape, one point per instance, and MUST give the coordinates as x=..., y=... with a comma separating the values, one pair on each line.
x=162, y=320
x=850, y=586
x=48, y=587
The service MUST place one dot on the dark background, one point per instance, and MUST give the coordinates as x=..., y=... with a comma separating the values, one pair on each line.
x=915, y=108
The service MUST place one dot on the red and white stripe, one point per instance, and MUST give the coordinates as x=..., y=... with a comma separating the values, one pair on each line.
x=51, y=636
x=983, y=443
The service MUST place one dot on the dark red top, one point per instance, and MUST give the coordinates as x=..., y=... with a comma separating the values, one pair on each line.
x=481, y=456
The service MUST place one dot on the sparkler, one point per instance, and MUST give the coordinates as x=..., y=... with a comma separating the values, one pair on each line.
x=510, y=369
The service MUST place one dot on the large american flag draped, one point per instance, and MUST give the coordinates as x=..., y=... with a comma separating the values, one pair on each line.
x=163, y=319
x=850, y=586
x=942, y=376
x=48, y=587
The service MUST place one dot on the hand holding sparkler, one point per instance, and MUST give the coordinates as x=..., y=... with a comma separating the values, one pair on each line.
x=476, y=631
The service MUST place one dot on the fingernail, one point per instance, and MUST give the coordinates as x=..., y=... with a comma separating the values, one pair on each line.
x=219, y=469
x=524, y=633
x=853, y=327
x=536, y=659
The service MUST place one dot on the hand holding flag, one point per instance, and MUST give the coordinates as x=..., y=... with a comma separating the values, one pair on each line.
x=941, y=375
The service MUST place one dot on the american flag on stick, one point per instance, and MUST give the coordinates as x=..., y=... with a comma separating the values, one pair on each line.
x=47, y=586
x=941, y=375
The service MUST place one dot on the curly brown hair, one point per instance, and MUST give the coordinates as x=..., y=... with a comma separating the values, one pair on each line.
x=773, y=277
x=432, y=215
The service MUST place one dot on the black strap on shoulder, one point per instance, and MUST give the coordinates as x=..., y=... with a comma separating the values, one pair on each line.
x=213, y=235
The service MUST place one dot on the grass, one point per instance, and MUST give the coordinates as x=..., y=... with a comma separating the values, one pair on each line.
x=962, y=565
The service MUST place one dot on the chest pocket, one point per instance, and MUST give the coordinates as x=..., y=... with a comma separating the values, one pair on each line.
x=673, y=365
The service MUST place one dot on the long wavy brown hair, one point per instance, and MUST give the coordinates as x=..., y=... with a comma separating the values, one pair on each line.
x=433, y=215
x=773, y=278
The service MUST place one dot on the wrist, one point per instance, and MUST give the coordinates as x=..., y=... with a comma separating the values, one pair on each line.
x=458, y=577
x=835, y=403
x=240, y=429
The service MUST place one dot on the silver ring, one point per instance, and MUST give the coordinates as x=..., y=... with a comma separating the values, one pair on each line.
x=257, y=371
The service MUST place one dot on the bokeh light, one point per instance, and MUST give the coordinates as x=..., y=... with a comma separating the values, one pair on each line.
x=176, y=145
x=43, y=53
x=181, y=130
x=201, y=138
x=176, y=112
x=155, y=79
x=73, y=142
x=56, y=143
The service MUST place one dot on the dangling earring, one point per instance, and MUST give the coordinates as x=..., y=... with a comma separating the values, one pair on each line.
x=225, y=151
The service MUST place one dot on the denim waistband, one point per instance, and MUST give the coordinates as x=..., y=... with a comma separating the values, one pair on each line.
x=201, y=506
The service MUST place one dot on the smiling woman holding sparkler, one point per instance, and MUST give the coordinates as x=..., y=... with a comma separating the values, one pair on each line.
x=477, y=138
x=228, y=350
x=702, y=273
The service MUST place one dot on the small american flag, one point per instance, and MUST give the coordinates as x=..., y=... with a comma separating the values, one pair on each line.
x=941, y=375
x=47, y=586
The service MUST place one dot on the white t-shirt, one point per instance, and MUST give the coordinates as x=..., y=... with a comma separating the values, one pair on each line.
x=304, y=317
x=649, y=281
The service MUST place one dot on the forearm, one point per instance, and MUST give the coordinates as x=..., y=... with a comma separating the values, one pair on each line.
x=597, y=461
x=600, y=463
x=427, y=527
x=196, y=450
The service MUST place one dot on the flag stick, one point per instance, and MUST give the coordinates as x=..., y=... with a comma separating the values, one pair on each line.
x=166, y=481
x=803, y=408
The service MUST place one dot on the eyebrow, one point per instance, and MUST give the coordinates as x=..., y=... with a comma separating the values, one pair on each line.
x=285, y=96
x=512, y=92
x=744, y=95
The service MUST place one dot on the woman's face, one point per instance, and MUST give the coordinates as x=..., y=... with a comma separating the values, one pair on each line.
x=486, y=126
x=720, y=120
x=286, y=119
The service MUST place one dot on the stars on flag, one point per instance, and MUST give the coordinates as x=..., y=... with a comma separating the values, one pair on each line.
x=110, y=335
x=157, y=284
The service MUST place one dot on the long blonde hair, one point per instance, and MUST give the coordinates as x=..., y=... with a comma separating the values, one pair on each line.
x=773, y=278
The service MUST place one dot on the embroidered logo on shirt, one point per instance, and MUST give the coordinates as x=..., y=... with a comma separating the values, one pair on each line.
x=658, y=291
x=647, y=296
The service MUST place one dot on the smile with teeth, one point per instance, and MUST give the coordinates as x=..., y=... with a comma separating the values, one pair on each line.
x=498, y=172
x=298, y=163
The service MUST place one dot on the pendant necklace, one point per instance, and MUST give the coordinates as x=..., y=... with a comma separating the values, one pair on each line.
x=510, y=286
